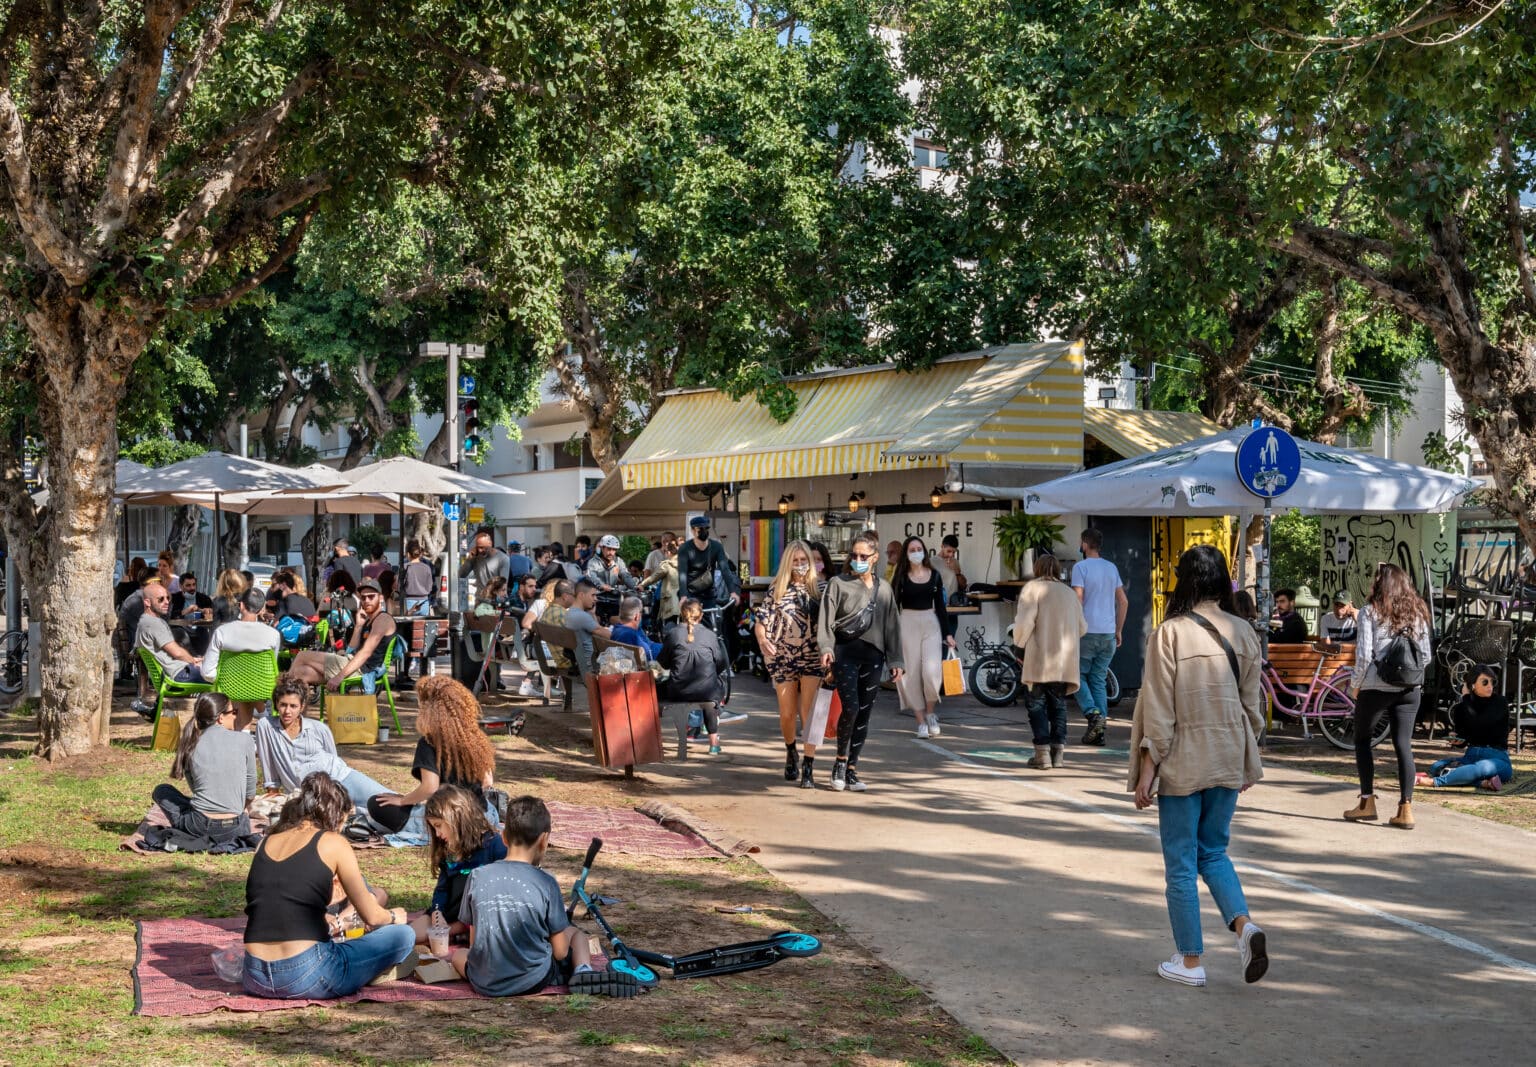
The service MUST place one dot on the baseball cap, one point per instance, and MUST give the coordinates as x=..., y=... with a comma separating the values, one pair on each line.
x=699, y=520
x=370, y=583
x=1343, y=597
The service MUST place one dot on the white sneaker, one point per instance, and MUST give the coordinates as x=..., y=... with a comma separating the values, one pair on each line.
x=933, y=725
x=732, y=716
x=1174, y=970
x=1251, y=946
x=922, y=729
x=527, y=689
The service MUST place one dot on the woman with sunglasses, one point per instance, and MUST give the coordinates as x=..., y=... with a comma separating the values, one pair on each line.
x=858, y=632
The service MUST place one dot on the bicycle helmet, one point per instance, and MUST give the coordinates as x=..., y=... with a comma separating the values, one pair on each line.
x=608, y=541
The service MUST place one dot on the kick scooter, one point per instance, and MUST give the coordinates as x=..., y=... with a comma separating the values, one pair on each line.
x=724, y=959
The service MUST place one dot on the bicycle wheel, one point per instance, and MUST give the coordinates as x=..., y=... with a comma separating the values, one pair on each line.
x=13, y=661
x=995, y=680
x=1111, y=689
x=1339, y=728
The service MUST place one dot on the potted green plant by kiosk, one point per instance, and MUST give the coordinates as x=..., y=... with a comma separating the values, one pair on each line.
x=1020, y=533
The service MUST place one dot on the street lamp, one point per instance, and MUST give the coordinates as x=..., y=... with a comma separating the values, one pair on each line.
x=784, y=502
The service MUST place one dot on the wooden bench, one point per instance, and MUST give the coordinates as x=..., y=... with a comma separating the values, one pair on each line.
x=556, y=637
x=1297, y=665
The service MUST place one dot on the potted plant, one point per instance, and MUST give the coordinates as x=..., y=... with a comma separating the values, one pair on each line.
x=1019, y=533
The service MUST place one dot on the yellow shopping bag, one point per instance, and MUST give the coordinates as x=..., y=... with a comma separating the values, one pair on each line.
x=353, y=717
x=954, y=676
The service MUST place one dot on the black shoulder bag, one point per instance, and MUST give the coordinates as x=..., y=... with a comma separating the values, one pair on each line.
x=852, y=629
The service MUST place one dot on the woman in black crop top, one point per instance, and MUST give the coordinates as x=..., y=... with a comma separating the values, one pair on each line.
x=925, y=631
x=289, y=954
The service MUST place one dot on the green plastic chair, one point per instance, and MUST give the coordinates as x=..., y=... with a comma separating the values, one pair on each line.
x=396, y=642
x=247, y=677
x=166, y=686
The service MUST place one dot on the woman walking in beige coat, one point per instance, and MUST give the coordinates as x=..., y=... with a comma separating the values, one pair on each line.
x=1194, y=747
x=1046, y=625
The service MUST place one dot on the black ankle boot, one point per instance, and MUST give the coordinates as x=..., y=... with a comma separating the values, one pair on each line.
x=805, y=773
x=791, y=763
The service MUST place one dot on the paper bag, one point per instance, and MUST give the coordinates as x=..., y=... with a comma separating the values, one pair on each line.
x=824, y=716
x=954, y=676
x=353, y=718
x=174, y=712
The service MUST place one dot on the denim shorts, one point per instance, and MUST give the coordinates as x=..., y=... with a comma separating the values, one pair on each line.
x=329, y=969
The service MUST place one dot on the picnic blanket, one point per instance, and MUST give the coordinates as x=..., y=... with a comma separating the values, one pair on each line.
x=623, y=830
x=259, y=811
x=681, y=820
x=173, y=974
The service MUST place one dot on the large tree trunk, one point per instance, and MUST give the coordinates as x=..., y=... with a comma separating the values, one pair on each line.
x=65, y=550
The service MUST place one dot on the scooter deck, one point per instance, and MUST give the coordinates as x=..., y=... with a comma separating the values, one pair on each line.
x=724, y=959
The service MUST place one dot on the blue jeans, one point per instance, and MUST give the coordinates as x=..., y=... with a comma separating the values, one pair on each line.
x=1048, y=713
x=1476, y=764
x=360, y=787
x=1094, y=651
x=1194, y=831
x=330, y=969
x=190, y=673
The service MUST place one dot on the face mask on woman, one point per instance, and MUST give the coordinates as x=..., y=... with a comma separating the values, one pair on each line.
x=917, y=557
x=859, y=566
x=800, y=570
x=820, y=567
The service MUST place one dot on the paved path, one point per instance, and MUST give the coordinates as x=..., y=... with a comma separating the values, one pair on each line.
x=1030, y=904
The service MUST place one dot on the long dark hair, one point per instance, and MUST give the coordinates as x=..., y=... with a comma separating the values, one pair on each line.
x=465, y=820
x=904, y=565
x=209, y=709
x=1395, y=602
x=819, y=551
x=320, y=801
x=1202, y=575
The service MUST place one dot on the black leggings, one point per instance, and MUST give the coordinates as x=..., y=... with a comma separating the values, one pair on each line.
x=1403, y=706
x=857, y=671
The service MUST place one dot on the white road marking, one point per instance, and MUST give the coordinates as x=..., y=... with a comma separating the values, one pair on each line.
x=1445, y=937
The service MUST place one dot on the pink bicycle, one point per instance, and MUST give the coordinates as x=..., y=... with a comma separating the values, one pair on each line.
x=1325, y=699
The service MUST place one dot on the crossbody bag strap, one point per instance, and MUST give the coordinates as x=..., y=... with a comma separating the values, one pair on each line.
x=1226, y=646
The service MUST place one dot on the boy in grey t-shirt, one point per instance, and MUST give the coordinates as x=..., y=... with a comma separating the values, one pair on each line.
x=520, y=940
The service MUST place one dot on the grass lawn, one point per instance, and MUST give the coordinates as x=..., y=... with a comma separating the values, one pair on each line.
x=1514, y=805
x=69, y=899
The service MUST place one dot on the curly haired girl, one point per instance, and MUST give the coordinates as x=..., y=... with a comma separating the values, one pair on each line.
x=453, y=750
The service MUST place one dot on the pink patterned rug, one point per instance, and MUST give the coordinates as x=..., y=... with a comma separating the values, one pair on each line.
x=622, y=830
x=173, y=974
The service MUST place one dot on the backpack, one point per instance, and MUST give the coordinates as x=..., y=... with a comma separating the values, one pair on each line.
x=1402, y=663
x=296, y=631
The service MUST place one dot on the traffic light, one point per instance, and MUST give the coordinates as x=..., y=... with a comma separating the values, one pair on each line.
x=471, y=428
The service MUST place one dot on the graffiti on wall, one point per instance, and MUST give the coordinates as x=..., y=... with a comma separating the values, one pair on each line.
x=1354, y=544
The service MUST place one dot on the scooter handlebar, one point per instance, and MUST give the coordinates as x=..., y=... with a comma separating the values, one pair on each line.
x=592, y=851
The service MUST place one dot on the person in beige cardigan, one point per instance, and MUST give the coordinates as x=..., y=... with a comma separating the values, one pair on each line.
x=1194, y=748
x=666, y=574
x=1046, y=625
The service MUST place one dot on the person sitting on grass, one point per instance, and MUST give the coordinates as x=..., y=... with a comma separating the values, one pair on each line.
x=1481, y=718
x=627, y=630
x=453, y=750
x=289, y=954
x=292, y=747
x=462, y=841
x=219, y=764
x=520, y=940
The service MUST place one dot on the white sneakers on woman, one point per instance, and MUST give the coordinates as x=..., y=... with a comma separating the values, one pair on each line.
x=933, y=725
x=1251, y=947
x=922, y=729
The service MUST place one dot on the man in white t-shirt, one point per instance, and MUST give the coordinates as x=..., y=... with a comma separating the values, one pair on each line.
x=1098, y=586
x=1339, y=624
x=245, y=634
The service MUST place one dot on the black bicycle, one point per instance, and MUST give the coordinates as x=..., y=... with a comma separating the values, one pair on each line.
x=995, y=672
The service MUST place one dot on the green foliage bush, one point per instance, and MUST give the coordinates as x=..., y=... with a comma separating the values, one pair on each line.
x=1296, y=557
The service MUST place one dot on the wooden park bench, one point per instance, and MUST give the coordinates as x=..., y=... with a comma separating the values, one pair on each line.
x=556, y=637
x=1297, y=665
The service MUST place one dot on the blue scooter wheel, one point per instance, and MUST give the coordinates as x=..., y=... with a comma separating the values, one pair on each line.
x=794, y=943
x=641, y=973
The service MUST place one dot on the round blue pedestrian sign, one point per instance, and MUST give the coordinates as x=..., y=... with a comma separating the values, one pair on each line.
x=1268, y=462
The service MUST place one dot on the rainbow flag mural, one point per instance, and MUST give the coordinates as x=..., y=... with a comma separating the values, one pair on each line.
x=765, y=545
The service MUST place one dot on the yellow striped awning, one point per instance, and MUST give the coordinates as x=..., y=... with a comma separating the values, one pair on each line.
x=1025, y=407
x=842, y=423
x=1131, y=432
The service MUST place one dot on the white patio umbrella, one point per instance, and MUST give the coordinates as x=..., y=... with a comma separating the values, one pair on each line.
x=213, y=476
x=1200, y=478
x=326, y=502
x=402, y=475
